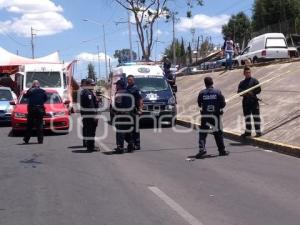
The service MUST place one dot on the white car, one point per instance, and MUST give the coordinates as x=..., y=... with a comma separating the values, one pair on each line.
x=265, y=47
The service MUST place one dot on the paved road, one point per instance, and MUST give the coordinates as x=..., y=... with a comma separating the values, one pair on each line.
x=59, y=184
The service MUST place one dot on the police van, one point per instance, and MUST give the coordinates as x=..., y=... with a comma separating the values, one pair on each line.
x=158, y=97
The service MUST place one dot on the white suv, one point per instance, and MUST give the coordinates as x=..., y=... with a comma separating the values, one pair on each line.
x=265, y=47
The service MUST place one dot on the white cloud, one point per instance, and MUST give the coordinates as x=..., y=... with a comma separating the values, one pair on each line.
x=201, y=21
x=89, y=57
x=43, y=15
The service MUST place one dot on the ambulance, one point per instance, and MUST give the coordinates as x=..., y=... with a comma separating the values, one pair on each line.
x=158, y=97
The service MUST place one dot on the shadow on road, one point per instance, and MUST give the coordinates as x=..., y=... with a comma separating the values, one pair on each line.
x=17, y=134
x=166, y=149
x=208, y=156
x=34, y=143
x=81, y=151
x=76, y=146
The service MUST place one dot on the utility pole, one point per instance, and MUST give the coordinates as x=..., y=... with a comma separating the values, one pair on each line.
x=174, y=47
x=104, y=43
x=130, y=38
x=197, y=49
x=32, y=43
x=99, y=71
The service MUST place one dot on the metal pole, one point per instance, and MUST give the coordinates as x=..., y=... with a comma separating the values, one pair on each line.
x=138, y=49
x=104, y=43
x=99, y=71
x=32, y=44
x=130, y=38
x=174, y=47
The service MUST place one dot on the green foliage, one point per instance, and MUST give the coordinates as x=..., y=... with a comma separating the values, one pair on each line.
x=270, y=12
x=179, y=51
x=238, y=28
x=91, y=71
x=123, y=55
x=206, y=47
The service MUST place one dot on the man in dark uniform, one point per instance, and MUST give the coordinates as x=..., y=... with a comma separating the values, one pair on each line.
x=250, y=103
x=166, y=64
x=36, y=111
x=123, y=107
x=133, y=89
x=82, y=85
x=211, y=101
x=88, y=110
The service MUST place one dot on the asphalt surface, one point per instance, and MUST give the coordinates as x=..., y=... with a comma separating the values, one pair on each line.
x=58, y=183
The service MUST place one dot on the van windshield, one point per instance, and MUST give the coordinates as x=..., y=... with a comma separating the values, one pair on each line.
x=275, y=43
x=46, y=79
x=151, y=84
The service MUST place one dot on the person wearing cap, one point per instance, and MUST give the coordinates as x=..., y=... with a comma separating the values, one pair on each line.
x=88, y=111
x=36, y=111
x=123, y=107
x=138, y=107
x=211, y=101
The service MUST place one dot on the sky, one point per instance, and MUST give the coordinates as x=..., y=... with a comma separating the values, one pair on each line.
x=58, y=25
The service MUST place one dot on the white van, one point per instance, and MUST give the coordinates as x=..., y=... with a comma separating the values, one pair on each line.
x=158, y=96
x=50, y=75
x=265, y=47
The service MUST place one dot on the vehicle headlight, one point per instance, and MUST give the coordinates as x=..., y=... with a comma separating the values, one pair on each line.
x=171, y=101
x=20, y=115
x=9, y=110
x=57, y=114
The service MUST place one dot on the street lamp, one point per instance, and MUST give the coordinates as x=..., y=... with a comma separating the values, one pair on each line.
x=104, y=42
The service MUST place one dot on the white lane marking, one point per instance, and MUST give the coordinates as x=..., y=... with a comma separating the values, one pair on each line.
x=268, y=151
x=175, y=206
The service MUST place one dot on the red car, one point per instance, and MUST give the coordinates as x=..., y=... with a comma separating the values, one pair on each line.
x=57, y=114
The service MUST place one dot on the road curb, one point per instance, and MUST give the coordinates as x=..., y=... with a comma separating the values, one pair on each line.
x=260, y=142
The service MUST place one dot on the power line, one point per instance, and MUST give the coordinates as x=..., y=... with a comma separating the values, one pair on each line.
x=13, y=39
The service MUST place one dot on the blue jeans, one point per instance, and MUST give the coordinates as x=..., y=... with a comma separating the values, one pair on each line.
x=228, y=59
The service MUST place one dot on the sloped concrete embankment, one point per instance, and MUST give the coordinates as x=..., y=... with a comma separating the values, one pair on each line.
x=280, y=106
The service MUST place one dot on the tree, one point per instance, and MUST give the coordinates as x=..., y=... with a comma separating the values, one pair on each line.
x=146, y=13
x=271, y=12
x=182, y=53
x=206, y=47
x=189, y=53
x=91, y=71
x=238, y=28
x=124, y=55
x=179, y=51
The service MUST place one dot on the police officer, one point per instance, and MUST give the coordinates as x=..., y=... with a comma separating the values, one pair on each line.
x=82, y=85
x=133, y=89
x=123, y=107
x=166, y=64
x=88, y=110
x=211, y=101
x=36, y=111
x=250, y=103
